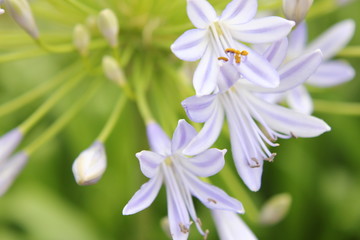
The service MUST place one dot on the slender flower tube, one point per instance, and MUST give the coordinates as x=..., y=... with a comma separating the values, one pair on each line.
x=21, y=12
x=330, y=72
x=254, y=123
x=214, y=34
x=231, y=227
x=90, y=165
x=296, y=10
x=9, y=142
x=166, y=164
x=10, y=168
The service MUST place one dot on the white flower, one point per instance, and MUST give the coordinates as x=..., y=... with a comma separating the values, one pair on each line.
x=81, y=39
x=179, y=173
x=214, y=34
x=90, y=165
x=109, y=26
x=9, y=142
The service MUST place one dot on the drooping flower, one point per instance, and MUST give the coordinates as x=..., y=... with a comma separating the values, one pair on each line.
x=9, y=170
x=253, y=122
x=90, y=165
x=330, y=72
x=166, y=164
x=214, y=34
x=9, y=142
x=231, y=227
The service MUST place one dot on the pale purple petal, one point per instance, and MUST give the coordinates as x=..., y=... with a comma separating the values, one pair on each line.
x=149, y=162
x=158, y=140
x=208, y=134
x=288, y=121
x=332, y=73
x=206, y=73
x=297, y=40
x=9, y=142
x=211, y=196
x=239, y=11
x=257, y=69
x=295, y=72
x=144, y=196
x=334, y=39
x=199, y=109
x=300, y=100
x=10, y=169
x=200, y=13
x=230, y=226
x=191, y=45
x=183, y=134
x=277, y=52
x=262, y=30
x=207, y=163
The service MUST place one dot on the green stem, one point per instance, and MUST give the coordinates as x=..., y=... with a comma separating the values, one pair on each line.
x=55, y=49
x=351, y=51
x=238, y=190
x=110, y=124
x=35, y=93
x=46, y=106
x=13, y=56
x=82, y=7
x=64, y=119
x=343, y=108
x=144, y=108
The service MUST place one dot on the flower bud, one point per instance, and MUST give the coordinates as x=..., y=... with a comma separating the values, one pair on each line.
x=81, y=39
x=21, y=12
x=10, y=169
x=90, y=165
x=9, y=142
x=1, y=10
x=112, y=70
x=109, y=26
x=275, y=209
x=296, y=10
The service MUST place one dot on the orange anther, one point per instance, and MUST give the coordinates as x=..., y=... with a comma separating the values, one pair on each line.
x=244, y=53
x=232, y=50
x=223, y=58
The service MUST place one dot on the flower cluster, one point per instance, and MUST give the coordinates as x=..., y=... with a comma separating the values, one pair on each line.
x=252, y=73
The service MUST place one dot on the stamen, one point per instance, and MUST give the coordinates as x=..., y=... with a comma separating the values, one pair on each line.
x=168, y=161
x=271, y=158
x=212, y=200
x=206, y=234
x=183, y=229
x=198, y=220
x=257, y=164
x=237, y=53
x=244, y=53
x=223, y=58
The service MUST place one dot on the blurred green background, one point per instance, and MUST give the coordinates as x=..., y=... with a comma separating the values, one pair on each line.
x=45, y=203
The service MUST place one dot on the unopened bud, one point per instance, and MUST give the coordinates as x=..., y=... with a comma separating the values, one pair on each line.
x=81, y=39
x=21, y=12
x=112, y=70
x=9, y=142
x=296, y=10
x=109, y=26
x=10, y=169
x=164, y=223
x=275, y=209
x=90, y=165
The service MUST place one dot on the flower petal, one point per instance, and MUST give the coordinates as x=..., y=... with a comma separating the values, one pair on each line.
x=297, y=41
x=9, y=143
x=207, y=163
x=277, y=52
x=334, y=39
x=239, y=11
x=191, y=45
x=332, y=73
x=300, y=100
x=208, y=134
x=211, y=196
x=257, y=69
x=288, y=121
x=183, y=134
x=199, y=109
x=262, y=30
x=294, y=73
x=200, y=13
x=158, y=140
x=144, y=196
x=149, y=162
x=205, y=76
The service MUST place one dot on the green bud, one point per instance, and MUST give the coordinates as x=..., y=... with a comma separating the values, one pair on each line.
x=109, y=26
x=81, y=39
x=296, y=10
x=21, y=12
x=275, y=209
x=112, y=70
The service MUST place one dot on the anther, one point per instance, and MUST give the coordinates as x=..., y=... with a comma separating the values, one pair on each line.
x=230, y=50
x=223, y=58
x=271, y=158
x=257, y=164
x=212, y=200
x=198, y=220
x=183, y=229
x=206, y=234
x=244, y=53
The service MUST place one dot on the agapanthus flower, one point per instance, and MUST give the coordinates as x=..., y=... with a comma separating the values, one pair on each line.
x=9, y=142
x=254, y=123
x=231, y=227
x=214, y=34
x=166, y=164
x=330, y=72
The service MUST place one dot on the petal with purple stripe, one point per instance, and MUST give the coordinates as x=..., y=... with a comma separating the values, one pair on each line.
x=149, y=162
x=183, y=134
x=200, y=13
x=199, y=109
x=239, y=11
x=300, y=100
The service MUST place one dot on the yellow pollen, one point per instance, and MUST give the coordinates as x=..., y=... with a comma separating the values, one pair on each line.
x=223, y=58
x=168, y=161
x=244, y=53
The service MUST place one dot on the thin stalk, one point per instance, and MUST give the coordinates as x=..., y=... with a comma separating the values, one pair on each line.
x=342, y=108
